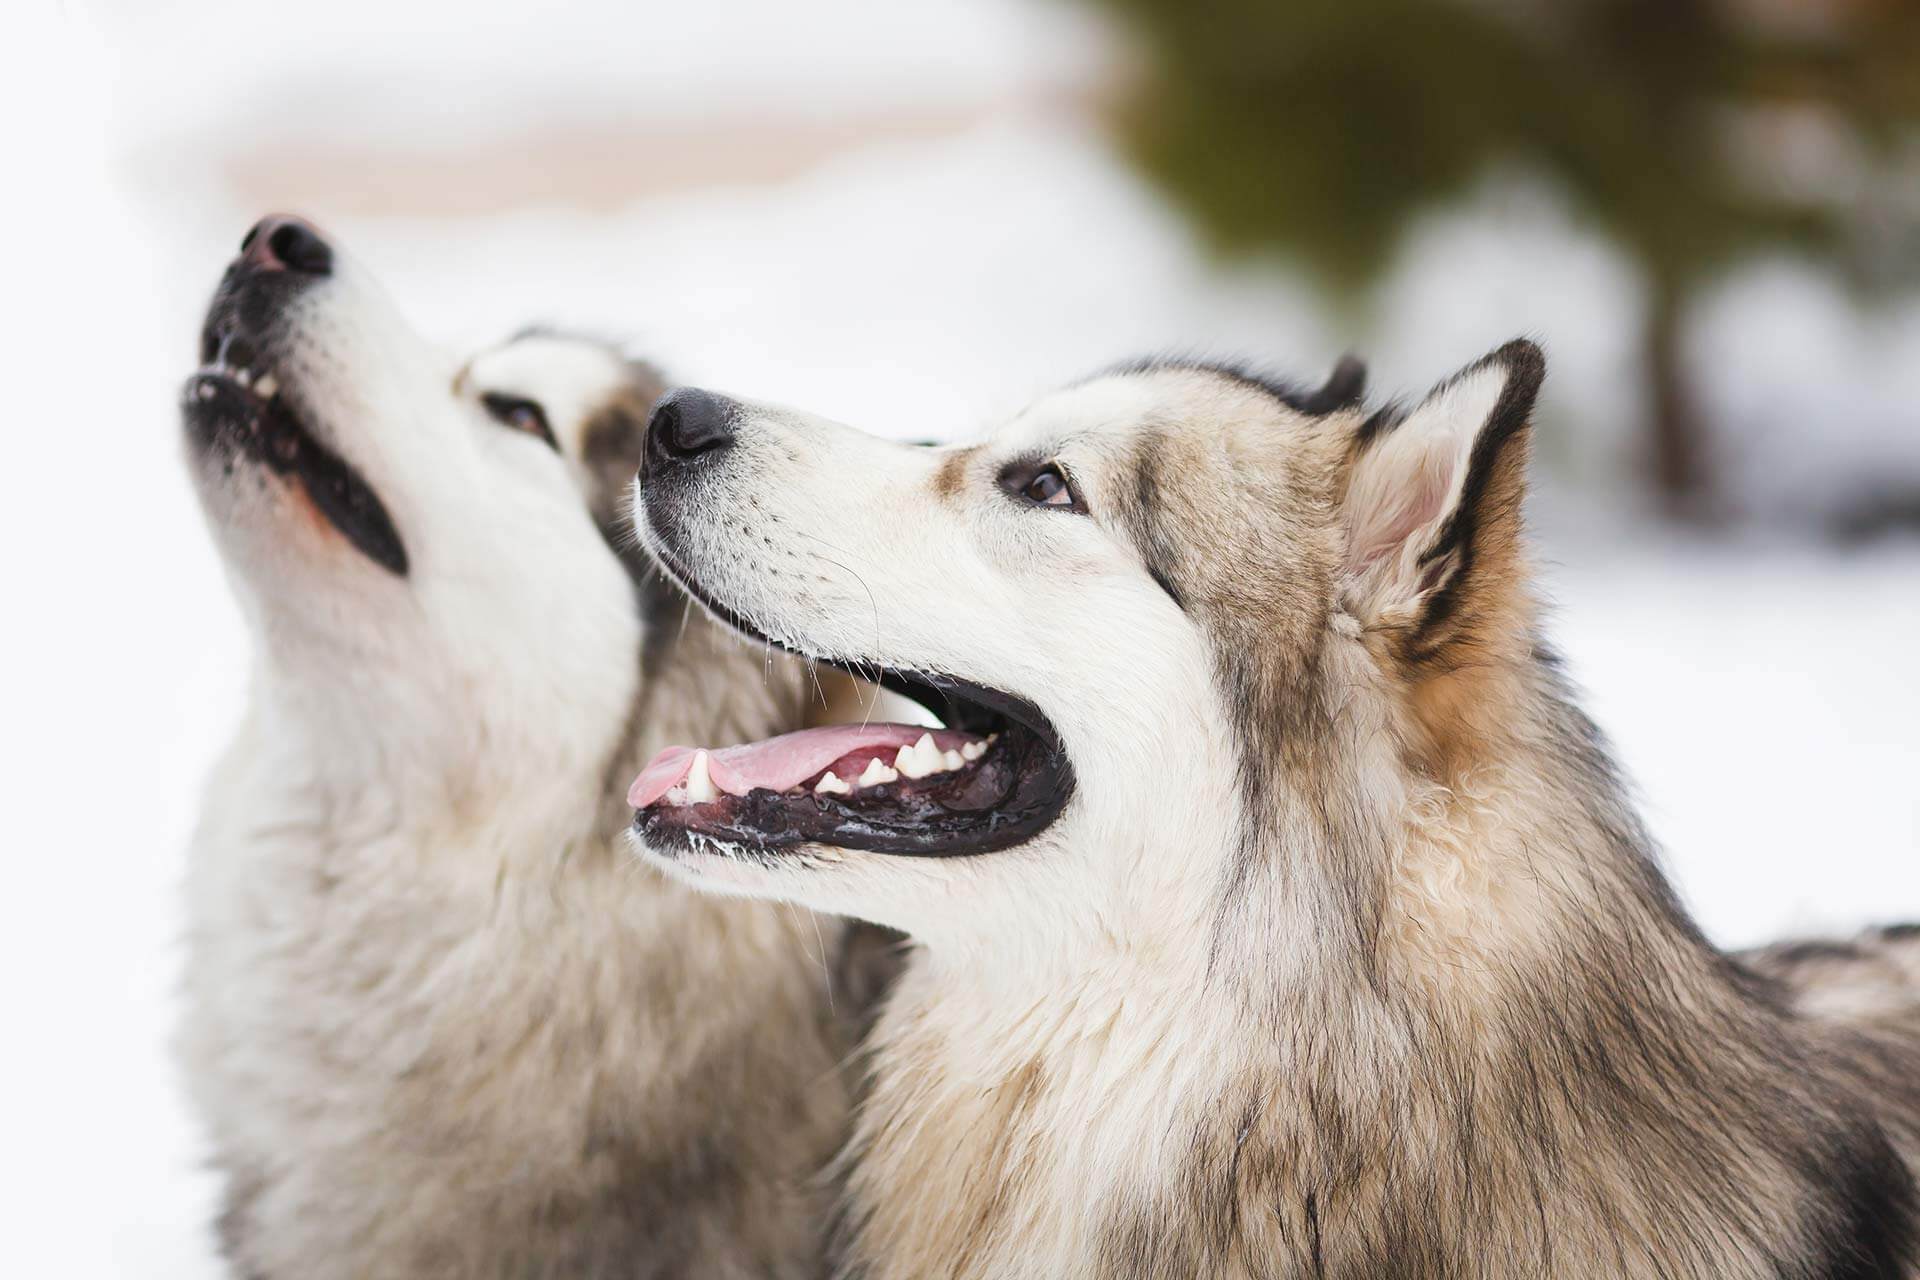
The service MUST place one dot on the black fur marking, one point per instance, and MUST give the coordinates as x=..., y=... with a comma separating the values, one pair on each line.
x=1906, y=932
x=1313, y=1235
x=1166, y=584
x=1156, y=549
x=1381, y=421
x=1526, y=368
x=1874, y=1231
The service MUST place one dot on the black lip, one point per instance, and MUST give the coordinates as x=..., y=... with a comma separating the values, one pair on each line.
x=246, y=326
x=1009, y=796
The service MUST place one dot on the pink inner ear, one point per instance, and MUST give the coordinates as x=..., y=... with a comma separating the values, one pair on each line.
x=1396, y=516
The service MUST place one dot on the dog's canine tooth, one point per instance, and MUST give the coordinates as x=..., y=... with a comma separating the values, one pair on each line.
x=876, y=774
x=830, y=784
x=699, y=784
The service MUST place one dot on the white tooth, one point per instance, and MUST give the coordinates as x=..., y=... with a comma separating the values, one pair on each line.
x=243, y=376
x=266, y=384
x=952, y=760
x=699, y=783
x=205, y=391
x=831, y=785
x=973, y=750
x=876, y=774
x=920, y=759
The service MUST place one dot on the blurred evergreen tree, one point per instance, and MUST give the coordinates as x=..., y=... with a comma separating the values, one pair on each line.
x=1694, y=131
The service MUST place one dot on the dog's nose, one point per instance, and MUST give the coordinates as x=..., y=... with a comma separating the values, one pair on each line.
x=689, y=422
x=282, y=242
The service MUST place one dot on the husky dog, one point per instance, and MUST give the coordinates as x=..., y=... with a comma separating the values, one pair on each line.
x=1277, y=912
x=438, y=1021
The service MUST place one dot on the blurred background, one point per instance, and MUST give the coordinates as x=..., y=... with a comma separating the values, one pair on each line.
x=913, y=217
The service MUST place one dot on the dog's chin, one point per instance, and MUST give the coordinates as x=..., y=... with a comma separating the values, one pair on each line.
x=992, y=777
x=240, y=412
x=734, y=871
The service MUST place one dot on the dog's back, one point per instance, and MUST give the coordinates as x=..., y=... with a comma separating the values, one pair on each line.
x=1865, y=992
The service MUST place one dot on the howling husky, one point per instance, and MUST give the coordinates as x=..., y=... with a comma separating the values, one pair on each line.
x=439, y=1023
x=1277, y=912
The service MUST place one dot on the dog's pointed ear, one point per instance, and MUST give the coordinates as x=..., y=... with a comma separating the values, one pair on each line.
x=1343, y=388
x=1432, y=505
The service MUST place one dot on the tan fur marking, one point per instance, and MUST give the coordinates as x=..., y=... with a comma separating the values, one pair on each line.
x=950, y=479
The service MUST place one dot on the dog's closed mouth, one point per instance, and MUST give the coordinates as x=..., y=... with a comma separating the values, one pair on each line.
x=231, y=407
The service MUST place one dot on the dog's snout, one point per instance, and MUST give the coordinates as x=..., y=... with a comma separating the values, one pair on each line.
x=282, y=242
x=687, y=423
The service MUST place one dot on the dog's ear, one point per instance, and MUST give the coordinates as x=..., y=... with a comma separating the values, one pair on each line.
x=1342, y=390
x=1432, y=505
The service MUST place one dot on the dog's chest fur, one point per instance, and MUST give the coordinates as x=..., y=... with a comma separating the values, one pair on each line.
x=1145, y=1125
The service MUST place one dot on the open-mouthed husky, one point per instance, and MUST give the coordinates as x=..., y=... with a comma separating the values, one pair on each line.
x=1277, y=911
x=439, y=1022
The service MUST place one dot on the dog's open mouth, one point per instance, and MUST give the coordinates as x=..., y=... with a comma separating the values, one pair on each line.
x=234, y=403
x=993, y=776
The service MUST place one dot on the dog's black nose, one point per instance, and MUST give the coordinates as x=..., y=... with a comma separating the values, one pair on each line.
x=282, y=242
x=689, y=422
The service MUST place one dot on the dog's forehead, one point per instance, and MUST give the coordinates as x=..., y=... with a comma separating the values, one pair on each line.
x=1112, y=410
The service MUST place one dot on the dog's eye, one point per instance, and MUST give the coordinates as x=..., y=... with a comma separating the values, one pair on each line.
x=521, y=415
x=1043, y=484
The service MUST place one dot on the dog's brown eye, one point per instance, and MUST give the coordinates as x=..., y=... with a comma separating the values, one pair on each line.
x=1044, y=485
x=1049, y=489
x=521, y=415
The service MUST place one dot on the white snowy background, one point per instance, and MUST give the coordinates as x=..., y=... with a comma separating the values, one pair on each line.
x=901, y=215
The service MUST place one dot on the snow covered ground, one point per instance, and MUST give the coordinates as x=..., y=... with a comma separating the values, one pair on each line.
x=1762, y=693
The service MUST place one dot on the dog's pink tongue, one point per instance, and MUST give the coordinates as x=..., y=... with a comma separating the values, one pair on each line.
x=783, y=762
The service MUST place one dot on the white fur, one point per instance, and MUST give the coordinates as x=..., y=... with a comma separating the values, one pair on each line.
x=1069, y=608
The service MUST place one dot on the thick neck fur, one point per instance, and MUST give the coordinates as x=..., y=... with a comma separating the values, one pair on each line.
x=1449, y=1022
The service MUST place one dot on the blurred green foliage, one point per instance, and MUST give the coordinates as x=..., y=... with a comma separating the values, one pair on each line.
x=1319, y=126
x=1692, y=131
